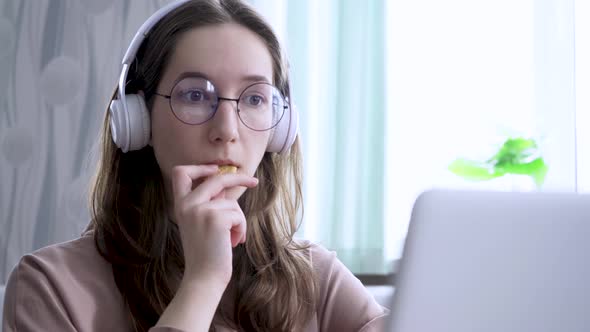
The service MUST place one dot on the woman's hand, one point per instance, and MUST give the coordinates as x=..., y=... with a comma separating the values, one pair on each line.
x=210, y=224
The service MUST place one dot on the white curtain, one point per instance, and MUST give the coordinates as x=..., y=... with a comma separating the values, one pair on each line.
x=582, y=73
x=337, y=55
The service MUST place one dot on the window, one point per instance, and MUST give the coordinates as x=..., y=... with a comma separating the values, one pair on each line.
x=461, y=78
x=465, y=76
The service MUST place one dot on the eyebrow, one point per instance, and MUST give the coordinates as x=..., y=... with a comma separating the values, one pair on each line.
x=246, y=78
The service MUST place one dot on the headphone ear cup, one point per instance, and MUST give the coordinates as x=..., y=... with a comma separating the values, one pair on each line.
x=119, y=125
x=284, y=133
x=130, y=130
x=140, y=122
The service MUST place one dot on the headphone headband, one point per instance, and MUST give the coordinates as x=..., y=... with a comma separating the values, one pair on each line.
x=146, y=27
x=130, y=121
x=137, y=40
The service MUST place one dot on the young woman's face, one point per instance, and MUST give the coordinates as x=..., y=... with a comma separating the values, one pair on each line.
x=231, y=58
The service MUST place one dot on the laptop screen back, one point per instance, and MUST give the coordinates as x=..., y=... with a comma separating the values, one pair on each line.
x=495, y=261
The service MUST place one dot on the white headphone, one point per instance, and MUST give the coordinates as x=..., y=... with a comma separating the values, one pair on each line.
x=130, y=118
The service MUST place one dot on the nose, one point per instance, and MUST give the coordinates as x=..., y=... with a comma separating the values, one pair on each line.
x=223, y=127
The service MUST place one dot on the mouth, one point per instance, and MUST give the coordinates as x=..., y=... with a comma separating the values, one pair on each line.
x=226, y=163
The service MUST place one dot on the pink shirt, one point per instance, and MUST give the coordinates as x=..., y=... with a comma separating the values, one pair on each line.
x=70, y=287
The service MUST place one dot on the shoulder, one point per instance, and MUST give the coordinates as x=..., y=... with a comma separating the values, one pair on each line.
x=322, y=259
x=62, y=286
x=344, y=304
x=325, y=263
x=67, y=260
x=61, y=268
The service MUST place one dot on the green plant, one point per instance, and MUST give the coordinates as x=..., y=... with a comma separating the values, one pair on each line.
x=518, y=156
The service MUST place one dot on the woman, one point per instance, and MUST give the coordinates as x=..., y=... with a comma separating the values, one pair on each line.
x=174, y=245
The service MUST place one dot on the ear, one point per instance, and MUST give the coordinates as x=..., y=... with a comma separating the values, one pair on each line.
x=142, y=94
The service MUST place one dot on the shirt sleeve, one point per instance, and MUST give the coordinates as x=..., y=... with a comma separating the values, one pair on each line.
x=31, y=303
x=344, y=304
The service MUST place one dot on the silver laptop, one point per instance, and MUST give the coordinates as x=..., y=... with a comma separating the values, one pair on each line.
x=495, y=262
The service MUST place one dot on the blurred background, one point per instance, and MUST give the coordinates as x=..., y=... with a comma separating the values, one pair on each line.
x=395, y=97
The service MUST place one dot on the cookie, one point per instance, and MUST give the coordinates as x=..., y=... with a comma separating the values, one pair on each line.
x=227, y=169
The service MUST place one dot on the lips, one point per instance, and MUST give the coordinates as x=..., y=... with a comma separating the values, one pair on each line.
x=225, y=162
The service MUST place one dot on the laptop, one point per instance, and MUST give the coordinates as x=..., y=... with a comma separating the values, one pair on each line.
x=478, y=261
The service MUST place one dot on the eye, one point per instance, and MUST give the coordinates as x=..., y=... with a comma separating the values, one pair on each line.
x=194, y=96
x=254, y=100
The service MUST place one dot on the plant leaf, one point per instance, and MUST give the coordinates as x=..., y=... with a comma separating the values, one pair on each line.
x=515, y=151
x=518, y=156
x=473, y=170
x=537, y=169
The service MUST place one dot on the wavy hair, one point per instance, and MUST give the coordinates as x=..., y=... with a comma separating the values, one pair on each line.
x=273, y=286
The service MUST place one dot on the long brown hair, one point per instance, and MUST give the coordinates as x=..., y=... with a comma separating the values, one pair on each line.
x=273, y=286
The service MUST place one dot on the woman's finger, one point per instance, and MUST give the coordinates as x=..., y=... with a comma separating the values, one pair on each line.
x=239, y=228
x=184, y=175
x=215, y=185
x=225, y=214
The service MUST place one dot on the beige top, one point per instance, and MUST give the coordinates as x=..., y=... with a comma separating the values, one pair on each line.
x=70, y=287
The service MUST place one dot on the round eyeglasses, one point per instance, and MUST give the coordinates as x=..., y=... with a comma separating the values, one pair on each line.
x=194, y=101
